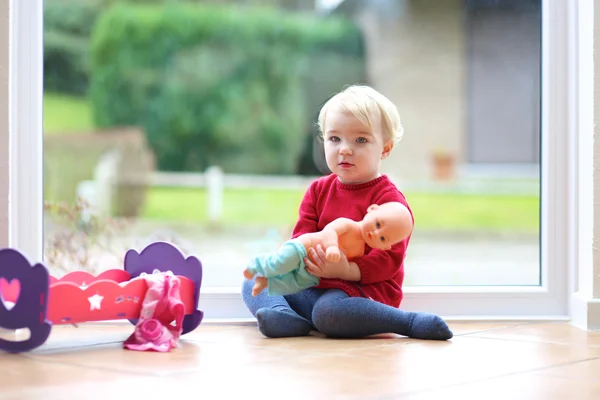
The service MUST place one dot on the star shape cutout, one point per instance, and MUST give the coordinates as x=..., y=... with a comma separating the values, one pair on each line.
x=95, y=302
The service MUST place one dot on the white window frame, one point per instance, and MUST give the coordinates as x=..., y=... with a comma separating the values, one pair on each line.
x=562, y=180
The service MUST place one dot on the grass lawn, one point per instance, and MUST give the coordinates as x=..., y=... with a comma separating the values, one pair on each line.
x=66, y=114
x=280, y=208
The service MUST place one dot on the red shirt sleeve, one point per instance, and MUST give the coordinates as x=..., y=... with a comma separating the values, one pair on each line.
x=382, y=265
x=307, y=220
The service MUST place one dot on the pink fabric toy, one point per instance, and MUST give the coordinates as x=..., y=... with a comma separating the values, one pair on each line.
x=162, y=305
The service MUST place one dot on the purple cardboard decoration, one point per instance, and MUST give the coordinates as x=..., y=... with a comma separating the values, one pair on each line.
x=31, y=307
x=164, y=257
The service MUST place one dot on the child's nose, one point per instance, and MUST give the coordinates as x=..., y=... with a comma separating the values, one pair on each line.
x=345, y=149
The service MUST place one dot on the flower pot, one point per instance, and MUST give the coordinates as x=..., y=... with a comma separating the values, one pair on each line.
x=443, y=167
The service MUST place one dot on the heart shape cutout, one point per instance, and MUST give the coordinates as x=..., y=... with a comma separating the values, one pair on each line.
x=9, y=292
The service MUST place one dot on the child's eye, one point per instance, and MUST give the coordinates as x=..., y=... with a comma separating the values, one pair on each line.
x=382, y=239
x=361, y=140
x=334, y=139
x=377, y=225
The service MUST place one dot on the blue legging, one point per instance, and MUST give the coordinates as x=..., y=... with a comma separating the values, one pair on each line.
x=335, y=314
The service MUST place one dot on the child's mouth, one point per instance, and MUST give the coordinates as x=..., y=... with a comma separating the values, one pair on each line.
x=345, y=165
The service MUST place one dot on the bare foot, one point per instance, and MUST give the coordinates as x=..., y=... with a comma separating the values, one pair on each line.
x=259, y=284
x=248, y=274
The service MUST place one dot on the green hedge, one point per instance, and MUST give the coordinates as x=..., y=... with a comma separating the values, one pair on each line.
x=68, y=26
x=218, y=86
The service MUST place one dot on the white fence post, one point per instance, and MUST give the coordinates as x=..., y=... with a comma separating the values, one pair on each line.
x=214, y=187
x=88, y=192
x=105, y=176
x=97, y=193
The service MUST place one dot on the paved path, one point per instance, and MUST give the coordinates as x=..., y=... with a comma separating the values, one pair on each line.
x=432, y=259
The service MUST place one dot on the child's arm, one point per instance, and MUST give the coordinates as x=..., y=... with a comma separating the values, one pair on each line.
x=378, y=265
x=307, y=219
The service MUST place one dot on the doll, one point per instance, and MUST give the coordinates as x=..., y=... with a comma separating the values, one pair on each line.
x=283, y=272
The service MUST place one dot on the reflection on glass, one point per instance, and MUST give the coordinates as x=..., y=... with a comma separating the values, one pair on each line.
x=194, y=122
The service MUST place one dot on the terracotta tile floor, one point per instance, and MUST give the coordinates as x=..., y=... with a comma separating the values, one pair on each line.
x=483, y=361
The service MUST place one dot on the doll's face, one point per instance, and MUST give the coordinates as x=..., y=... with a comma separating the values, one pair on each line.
x=382, y=227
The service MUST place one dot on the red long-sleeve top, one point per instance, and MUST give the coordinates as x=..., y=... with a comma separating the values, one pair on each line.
x=382, y=271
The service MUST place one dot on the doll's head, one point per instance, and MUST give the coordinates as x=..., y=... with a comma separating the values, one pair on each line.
x=386, y=225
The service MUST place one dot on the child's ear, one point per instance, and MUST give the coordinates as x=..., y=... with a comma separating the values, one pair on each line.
x=387, y=149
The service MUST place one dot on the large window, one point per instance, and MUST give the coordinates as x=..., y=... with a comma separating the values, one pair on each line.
x=176, y=127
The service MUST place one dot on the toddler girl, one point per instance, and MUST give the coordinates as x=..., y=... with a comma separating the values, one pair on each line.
x=358, y=297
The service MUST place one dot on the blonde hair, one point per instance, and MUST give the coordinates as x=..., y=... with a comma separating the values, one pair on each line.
x=365, y=103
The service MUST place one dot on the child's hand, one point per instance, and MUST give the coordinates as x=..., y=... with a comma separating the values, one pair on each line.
x=317, y=264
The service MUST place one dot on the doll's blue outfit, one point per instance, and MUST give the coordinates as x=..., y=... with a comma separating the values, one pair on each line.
x=285, y=269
